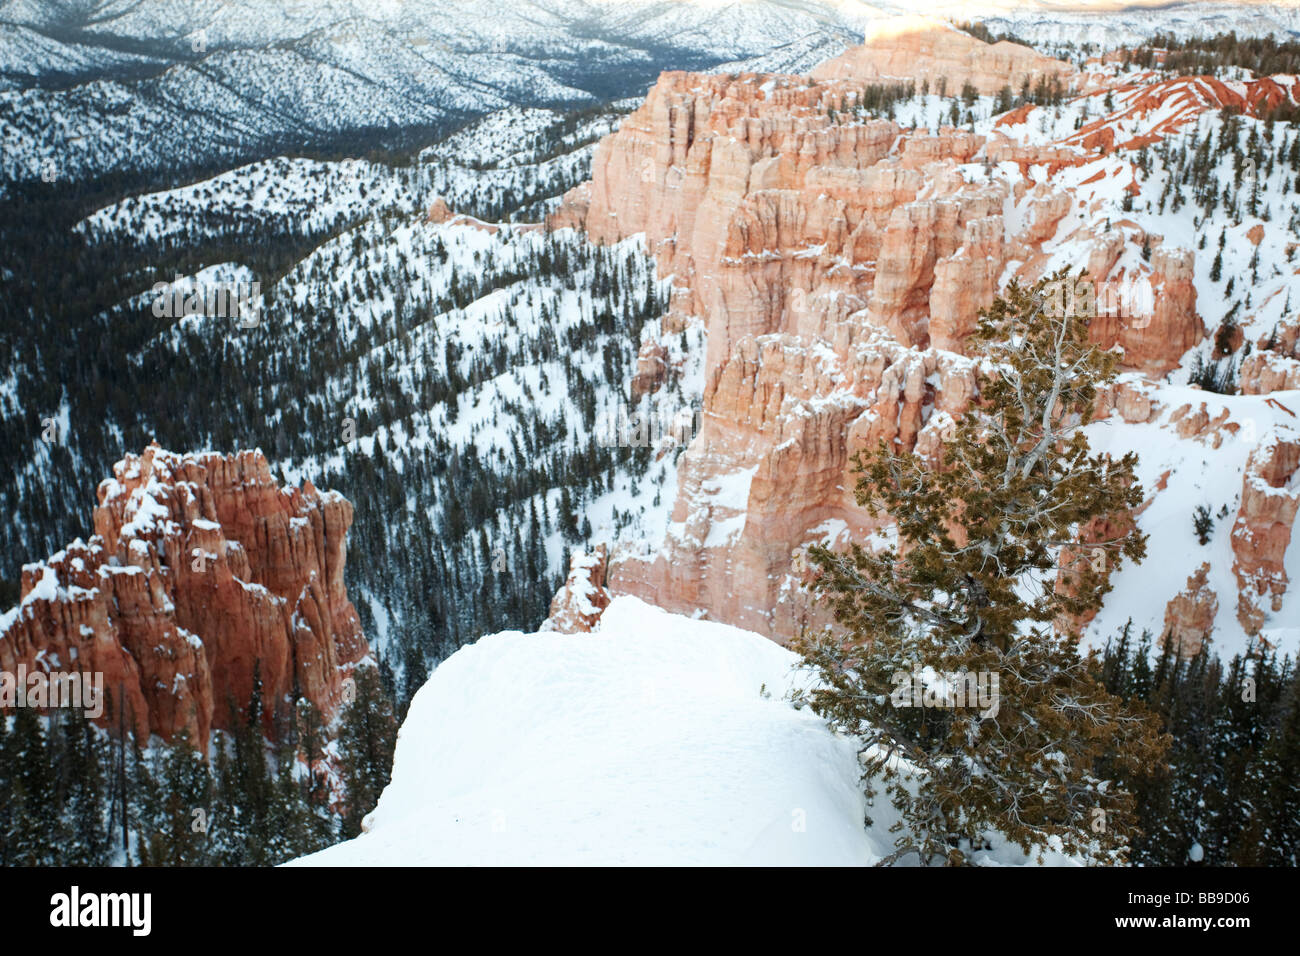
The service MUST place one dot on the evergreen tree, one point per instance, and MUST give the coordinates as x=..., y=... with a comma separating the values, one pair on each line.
x=1277, y=836
x=34, y=831
x=288, y=818
x=225, y=830
x=366, y=741
x=320, y=825
x=972, y=590
x=86, y=840
x=144, y=802
x=253, y=783
x=1202, y=524
x=1218, y=797
x=182, y=819
x=6, y=790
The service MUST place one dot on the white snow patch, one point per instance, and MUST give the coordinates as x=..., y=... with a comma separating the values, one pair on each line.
x=656, y=740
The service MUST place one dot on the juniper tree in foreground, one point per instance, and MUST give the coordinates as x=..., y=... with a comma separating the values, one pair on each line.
x=971, y=588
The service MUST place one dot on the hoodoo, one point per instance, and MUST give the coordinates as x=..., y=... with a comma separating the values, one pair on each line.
x=202, y=569
x=837, y=256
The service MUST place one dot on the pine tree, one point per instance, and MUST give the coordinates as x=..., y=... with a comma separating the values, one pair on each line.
x=366, y=741
x=34, y=822
x=1278, y=835
x=86, y=837
x=144, y=802
x=1202, y=524
x=254, y=786
x=224, y=823
x=972, y=591
x=181, y=822
x=6, y=790
x=320, y=824
x=288, y=818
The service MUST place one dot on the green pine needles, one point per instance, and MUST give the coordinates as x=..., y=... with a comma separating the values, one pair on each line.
x=955, y=659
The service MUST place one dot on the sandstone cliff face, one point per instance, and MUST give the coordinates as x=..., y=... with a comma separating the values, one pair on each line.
x=838, y=263
x=921, y=49
x=770, y=471
x=1270, y=498
x=578, y=605
x=1189, y=617
x=1154, y=339
x=200, y=568
x=1274, y=366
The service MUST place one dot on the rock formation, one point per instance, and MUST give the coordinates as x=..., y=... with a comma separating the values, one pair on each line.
x=838, y=260
x=201, y=569
x=1274, y=366
x=918, y=49
x=1270, y=498
x=577, y=606
x=1189, y=617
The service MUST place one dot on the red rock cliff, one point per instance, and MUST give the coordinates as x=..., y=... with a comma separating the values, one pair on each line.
x=918, y=49
x=201, y=565
x=837, y=262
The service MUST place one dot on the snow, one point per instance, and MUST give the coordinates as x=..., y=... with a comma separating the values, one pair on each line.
x=1198, y=474
x=731, y=491
x=144, y=510
x=656, y=740
x=1257, y=255
x=45, y=589
x=648, y=742
x=267, y=73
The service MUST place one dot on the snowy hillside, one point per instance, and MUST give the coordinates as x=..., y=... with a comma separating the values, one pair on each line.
x=459, y=353
x=657, y=740
x=212, y=81
x=87, y=88
x=1193, y=473
x=1107, y=27
x=403, y=190
x=1245, y=224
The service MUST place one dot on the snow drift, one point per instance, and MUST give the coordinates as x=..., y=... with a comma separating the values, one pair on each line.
x=656, y=740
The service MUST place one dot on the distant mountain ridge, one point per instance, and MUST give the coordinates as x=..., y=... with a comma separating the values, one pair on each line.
x=89, y=86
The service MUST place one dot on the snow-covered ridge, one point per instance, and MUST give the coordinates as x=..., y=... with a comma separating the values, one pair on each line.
x=656, y=740
x=245, y=78
x=240, y=79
